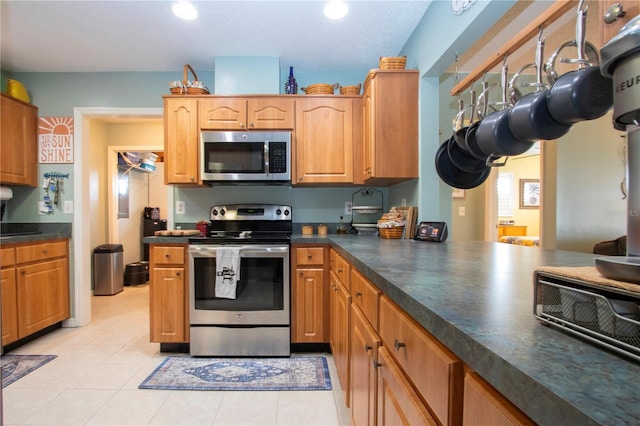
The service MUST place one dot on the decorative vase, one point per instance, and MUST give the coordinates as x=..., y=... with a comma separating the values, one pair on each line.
x=291, y=86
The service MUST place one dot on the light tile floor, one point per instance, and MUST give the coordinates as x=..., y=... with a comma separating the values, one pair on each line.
x=94, y=381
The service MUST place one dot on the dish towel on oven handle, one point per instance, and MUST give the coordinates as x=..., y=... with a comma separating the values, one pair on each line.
x=227, y=271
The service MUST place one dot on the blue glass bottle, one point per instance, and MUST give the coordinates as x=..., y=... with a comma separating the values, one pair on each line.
x=291, y=86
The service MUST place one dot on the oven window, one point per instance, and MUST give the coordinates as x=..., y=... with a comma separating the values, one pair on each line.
x=261, y=285
x=232, y=157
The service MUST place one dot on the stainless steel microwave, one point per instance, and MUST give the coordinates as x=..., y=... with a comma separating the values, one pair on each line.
x=249, y=157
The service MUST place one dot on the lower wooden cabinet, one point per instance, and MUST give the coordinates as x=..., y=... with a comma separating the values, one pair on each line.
x=35, y=287
x=309, y=295
x=398, y=402
x=364, y=361
x=340, y=306
x=483, y=405
x=169, y=294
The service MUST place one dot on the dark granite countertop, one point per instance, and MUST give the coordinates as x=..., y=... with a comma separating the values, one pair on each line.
x=477, y=299
x=33, y=232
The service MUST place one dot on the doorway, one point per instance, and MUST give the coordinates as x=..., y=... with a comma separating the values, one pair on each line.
x=87, y=122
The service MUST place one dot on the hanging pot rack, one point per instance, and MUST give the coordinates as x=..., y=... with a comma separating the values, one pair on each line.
x=551, y=14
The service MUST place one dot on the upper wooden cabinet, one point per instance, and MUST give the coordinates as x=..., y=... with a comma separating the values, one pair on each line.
x=324, y=140
x=631, y=9
x=389, y=143
x=181, y=148
x=260, y=113
x=18, y=142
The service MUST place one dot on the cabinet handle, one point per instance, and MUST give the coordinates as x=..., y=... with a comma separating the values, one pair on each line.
x=398, y=344
x=45, y=251
x=358, y=294
x=192, y=178
x=367, y=348
x=177, y=274
x=309, y=256
x=242, y=124
x=300, y=179
x=335, y=288
x=376, y=364
x=167, y=255
x=339, y=271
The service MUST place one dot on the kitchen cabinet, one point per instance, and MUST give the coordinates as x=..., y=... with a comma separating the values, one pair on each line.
x=388, y=153
x=18, y=142
x=364, y=360
x=631, y=9
x=181, y=136
x=309, y=295
x=9, y=295
x=259, y=113
x=168, y=293
x=324, y=138
x=512, y=231
x=398, y=402
x=35, y=287
x=366, y=296
x=483, y=405
x=435, y=372
x=340, y=306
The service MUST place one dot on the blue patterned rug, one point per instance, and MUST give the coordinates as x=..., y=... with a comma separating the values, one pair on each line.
x=294, y=373
x=15, y=367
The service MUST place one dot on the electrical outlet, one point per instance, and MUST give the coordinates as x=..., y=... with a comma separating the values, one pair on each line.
x=68, y=207
x=461, y=211
x=403, y=203
x=180, y=207
x=347, y=207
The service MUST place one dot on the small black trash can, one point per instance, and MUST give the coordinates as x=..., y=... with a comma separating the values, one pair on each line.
x=136, y=273
x=108, y=276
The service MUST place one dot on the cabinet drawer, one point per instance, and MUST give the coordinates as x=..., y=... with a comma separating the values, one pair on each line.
x=341, y=268
x=483, y=405
x=366, y=296
x=309, y=255
x=164, y=255
x=41, y=251
x=435, y=371
x=7, y=257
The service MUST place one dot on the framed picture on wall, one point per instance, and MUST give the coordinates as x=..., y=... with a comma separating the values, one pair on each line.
x=529, y=193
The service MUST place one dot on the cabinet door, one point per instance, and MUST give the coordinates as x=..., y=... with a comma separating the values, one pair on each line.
x=631, y=8
x=433, y=369
x=340, y=301
x=9, y=306
x=167, y=294
x=364, y=358
x=483, y=405
x=366, y=296
x=223, y=114
x=308, y=323
x=181, y=141
x=42, y=294
x=18, y=142
x=270, y=113
x=366, y=170
x=324, y=141
x=398, y=403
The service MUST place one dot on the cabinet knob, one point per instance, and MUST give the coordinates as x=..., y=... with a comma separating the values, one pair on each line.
x=398, y=344
x=309, y=256
x=177, y=274
x=339, y=271
x=300, y=179
x=192, y=178
x=242, y=124
x=251, y=124
x=167, y=255
x=358, y=294
x=45, y=251
x=367, y=348
x=376, y=364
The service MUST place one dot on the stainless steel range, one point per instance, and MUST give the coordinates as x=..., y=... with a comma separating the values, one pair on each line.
x=239, y=286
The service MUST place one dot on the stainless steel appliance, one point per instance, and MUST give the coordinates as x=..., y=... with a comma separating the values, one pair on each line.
x=250, y=157
x=621, y=60
x=255, y=319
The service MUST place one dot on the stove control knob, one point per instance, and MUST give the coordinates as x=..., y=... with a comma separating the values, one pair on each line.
x=278, y=212
x=214, y=212
x=286, y=212
x=222, y=212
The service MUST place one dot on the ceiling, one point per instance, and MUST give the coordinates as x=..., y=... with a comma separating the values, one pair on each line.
x=117, y=35
x=110, y=36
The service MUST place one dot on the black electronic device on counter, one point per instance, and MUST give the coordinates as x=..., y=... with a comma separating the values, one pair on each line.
x=431, y=231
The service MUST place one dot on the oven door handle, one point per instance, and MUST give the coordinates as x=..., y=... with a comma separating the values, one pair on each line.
x=247, y=250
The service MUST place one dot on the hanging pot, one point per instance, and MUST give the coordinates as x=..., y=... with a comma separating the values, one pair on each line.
x=454, y=176
x=493, y=135
x=529, y=118
x=462, y=159
x=582, y=94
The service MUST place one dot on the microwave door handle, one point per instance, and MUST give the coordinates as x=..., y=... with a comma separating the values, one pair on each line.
x=266, y=157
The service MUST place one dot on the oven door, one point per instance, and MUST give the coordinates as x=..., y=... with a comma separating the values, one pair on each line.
x=262, y=293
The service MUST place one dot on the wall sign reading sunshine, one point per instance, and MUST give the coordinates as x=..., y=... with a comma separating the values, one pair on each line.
x=55, y=140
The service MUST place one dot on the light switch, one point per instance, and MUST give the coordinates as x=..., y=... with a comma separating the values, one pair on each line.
x=461, y=211
x=180, y=207
x=68, y=207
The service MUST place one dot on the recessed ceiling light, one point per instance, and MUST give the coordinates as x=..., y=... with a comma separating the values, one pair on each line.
x=185, y=10
x=336, y=9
